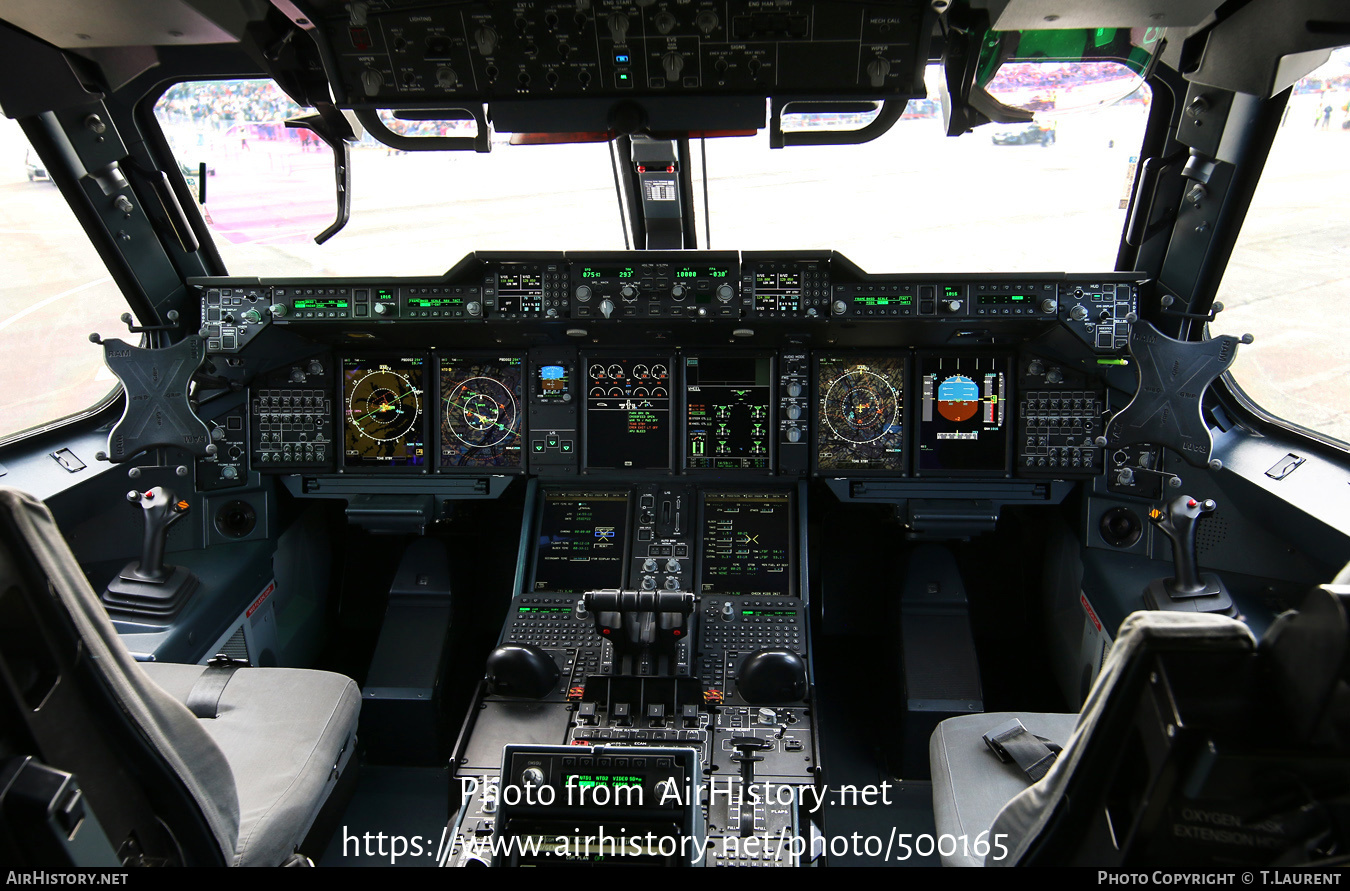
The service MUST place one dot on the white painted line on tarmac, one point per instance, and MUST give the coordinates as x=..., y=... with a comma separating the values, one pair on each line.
x=28, y=310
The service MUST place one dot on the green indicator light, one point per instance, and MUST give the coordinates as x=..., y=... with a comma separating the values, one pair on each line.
x=1113, y=361
x=1017, y=297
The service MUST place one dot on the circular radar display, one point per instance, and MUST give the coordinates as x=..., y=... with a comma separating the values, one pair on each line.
x=861, y=406
x=384, y=406
x=482, y=412
x=958, y=398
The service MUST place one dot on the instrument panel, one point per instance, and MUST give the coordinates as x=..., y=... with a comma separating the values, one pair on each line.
x=698, y=413
x=707, y=365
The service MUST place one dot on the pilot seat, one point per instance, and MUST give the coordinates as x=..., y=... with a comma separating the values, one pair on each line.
x=1197, y=746
x=147, y=763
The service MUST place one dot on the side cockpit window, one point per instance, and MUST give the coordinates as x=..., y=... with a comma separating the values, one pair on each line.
x=1286, y=282
x=54, y=292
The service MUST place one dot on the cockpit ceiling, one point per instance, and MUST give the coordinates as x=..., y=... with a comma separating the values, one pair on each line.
x=76, y=24
x=85, y=24
x=1032, y=15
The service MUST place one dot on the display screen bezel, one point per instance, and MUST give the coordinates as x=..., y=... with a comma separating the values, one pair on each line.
x=526, y=370
x=794, y=581
x=675, y=410
x=1009, y=420
x=683, y=439
x=430, y=392
x=538, y=530
x=906, y=417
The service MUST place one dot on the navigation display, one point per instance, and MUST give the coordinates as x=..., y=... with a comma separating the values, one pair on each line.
x=747, y=543
x=481, y=402
x=727, y=420
x=628, y=413
x=963, y=418
x=383, y=406
x=581, y=542
x=860, y=413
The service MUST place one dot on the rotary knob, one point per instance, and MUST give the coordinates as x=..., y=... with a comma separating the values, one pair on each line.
x=877, y=69
x=252, y=315
x=382, y=309
x=794, y=388
x=678, y=292
x=648, y=583
x=665, y=22
x=532, y=776
x=606, y=307
x=446, y=77
x=839, y=307
x=794, y=435
x=618, y=27
x=673, y=63
x=1079, y=313
x=794, y=412
x=486, y=40
x=628, y=292
x=649, y=565
x=371, y=81
x=672, y=565
x=725, y=292
x=706, y=21
x=672, y=584
x=583, y=293
x=278, y=310
x=951, y=305
x=1048, y=305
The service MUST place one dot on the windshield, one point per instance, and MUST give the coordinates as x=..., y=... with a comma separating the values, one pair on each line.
x=1049, y=195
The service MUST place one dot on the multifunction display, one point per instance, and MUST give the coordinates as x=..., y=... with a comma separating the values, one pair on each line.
x=727, y=402
x=860, y=413
x=481, y=411
x=963, y=416
x=581, y=542
x=628, y=412
x=383, y=406
x=747, y=543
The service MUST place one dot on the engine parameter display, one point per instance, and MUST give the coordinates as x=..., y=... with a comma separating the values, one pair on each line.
x=628, y=413
x=727, y=422
x=383, y=404
x=747, y=543
x=963, y=419
x=481, y=411
x=860, y=413
x=581, y=542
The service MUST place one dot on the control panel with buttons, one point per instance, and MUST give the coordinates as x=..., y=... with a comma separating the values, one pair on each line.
x=663, y=550
x=291, y=416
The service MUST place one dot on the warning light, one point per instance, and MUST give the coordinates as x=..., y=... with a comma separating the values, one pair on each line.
x=670, y=168
x=676, y=632
x=1191, y=502
x=182, y=505
x=604, y=631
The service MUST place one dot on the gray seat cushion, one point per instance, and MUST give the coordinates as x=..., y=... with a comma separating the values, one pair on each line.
x=961, y=761
x=283, y=731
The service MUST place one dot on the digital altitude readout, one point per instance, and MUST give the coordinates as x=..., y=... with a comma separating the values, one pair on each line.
x=963, y=416
x=860, y=413
x=727, y=402
x=384, y=403
x=628, y=412
x=481, y=412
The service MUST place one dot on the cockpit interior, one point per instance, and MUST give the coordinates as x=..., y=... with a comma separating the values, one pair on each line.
x=654, y=432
